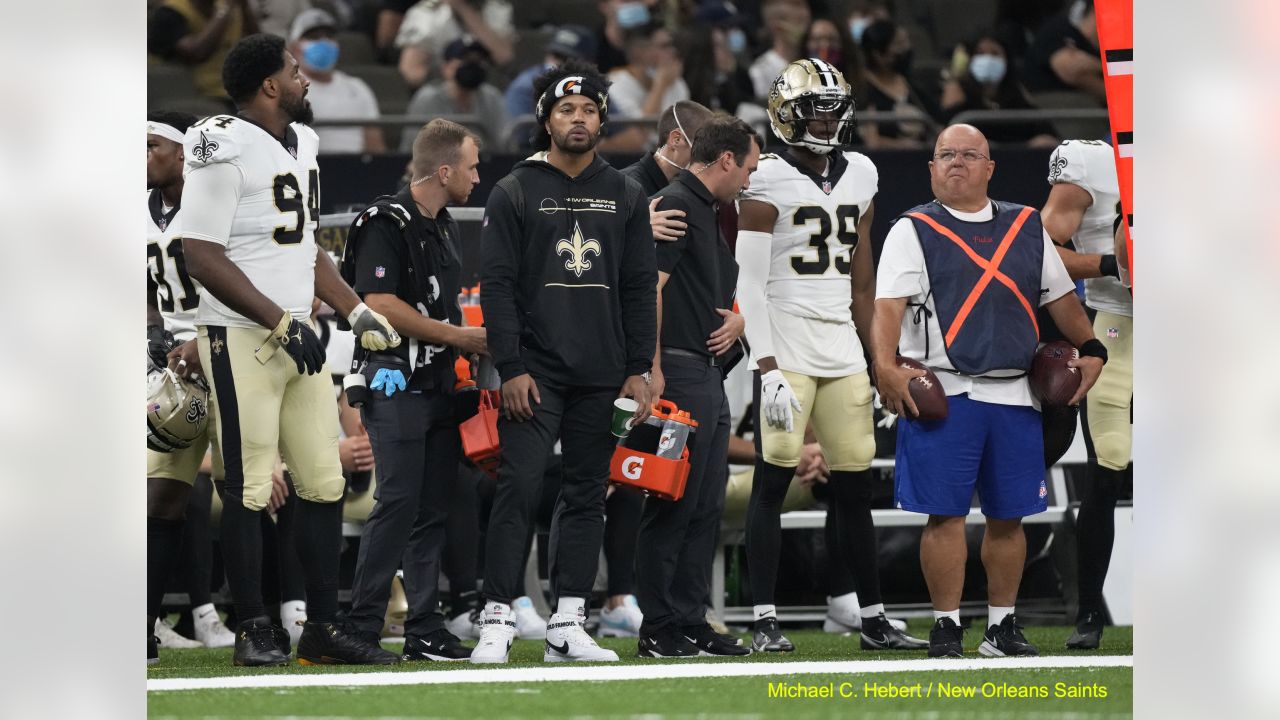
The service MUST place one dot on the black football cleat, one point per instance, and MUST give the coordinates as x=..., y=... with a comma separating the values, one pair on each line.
x=440, y=646
x=946, y=639
x=769, y=637
x=257, y=644
x=713, y=644
x=666, y=643
x=879, y=634
x=1088, y=633
x=326, y=643
x=153, y=650
x=1006, y=640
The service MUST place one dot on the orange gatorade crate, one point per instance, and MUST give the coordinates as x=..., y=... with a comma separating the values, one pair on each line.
x=637, y=465
x=480, y=434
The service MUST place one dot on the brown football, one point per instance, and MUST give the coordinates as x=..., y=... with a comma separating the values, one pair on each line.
x=926, y=391
x=1051, y=380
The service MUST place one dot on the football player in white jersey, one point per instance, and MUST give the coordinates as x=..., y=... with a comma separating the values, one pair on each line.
x=807, y=289
x=250, y=208
x=1082, y=216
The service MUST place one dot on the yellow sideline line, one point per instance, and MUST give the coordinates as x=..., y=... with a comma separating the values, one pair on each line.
x=573, y=671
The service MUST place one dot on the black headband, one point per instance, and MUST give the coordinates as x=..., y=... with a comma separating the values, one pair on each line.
x=572, y=85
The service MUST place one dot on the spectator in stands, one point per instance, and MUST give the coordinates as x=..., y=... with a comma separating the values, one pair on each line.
x=569, y=41
x=832, y=42
x=887, y=51
x=1065, y=55
x=463, y=91
x=864, y=12
x=785, y=21
x=619, y=17
x=651, y=80
x=277, y=16
x=390, y=16
x=988, y=84
x=430, y=26
x=199, y=34
x=333, y=93
x=710, y=47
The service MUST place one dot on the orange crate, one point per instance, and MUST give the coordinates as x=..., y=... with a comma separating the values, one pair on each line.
x=480, y=434
x=655, y=475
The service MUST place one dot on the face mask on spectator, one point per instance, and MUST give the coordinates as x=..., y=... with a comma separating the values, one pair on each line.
x=320, y=55
x=988, y=69
x=470, y=75
x=856, y=26
x=737, y=41
x=633, y=14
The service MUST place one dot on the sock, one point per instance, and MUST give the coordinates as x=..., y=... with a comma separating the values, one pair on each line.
x=855, y=531
x=870, y=611
x=291, y=610
x=201, y=611
x=495, y=609
x=764, y=527
x=996, y=615
x=571, y=606
x=319, y=544
x=164, y=542
x=953, y=614
x=1095, y=535
x=241, y=537
x=847, y=602
x=764, y=611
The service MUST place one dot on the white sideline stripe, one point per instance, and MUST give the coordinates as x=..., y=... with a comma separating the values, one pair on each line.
x=572, y=672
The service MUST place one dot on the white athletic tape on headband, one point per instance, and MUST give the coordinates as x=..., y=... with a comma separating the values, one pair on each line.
x=168, y=132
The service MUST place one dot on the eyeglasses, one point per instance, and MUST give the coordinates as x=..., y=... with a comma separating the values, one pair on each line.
x=968, y=156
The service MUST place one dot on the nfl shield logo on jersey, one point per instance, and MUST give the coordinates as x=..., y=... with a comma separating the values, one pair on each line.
x=826, y=186
x=380, y=271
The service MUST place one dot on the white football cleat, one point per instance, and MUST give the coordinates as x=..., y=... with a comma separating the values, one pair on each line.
x=293, y=614
x=622, y=621
x=842, y=620
x=465, y=626
x=497, y=632
x=210, y=630
x=568, y=641
x=529, y=625
x=169, y=639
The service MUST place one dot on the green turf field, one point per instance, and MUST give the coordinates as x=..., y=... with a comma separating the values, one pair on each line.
x=682, y=697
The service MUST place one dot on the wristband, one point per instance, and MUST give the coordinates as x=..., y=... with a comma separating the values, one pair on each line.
x=355, y=314
x=1109, y=267
x=1094, y=348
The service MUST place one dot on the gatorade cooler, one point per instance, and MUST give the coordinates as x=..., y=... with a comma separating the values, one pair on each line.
x=637, y=464
x=480, y=434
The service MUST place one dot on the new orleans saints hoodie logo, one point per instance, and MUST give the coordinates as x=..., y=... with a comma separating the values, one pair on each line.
x=577, y=248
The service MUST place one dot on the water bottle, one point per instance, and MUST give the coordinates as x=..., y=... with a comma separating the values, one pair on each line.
x=675, y=434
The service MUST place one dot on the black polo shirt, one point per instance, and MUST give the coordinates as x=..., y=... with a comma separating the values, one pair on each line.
x=704, y=273
x=646, y=172
x=383, y=265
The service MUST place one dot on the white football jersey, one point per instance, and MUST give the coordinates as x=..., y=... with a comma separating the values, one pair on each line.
x=272, y=238
x=1091, y=165
x=175, y=293
x=809, y=287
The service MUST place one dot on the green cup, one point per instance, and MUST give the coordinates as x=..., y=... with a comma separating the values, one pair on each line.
x=624, y=413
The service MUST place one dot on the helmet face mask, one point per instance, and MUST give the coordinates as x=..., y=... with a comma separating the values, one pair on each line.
x=177, y=411
x=812, y=91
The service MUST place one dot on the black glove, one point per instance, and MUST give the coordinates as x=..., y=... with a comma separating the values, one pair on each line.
x=301, y=343
x=159, y=343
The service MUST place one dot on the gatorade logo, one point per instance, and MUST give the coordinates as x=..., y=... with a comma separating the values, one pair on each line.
x=631, y=467
x=571, y=84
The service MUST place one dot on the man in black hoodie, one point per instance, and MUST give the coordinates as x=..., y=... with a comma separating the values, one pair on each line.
x=568, y=293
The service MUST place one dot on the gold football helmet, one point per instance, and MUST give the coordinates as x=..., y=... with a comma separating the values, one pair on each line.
x=812, y=91
x=177, y=411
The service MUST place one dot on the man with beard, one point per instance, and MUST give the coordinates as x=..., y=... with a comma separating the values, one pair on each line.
x=251, y=205
x=568, y=292
x=402, y=257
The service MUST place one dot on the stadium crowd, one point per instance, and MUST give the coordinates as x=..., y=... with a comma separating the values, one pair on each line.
x=783, y=386
x=920, y=62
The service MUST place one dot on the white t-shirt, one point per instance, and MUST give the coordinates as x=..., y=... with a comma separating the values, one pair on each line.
x=1091, y=165
x=431, y=24
x=902, y=274
x=259, y=196
x=342, y=97
x=764, y=71
x=626, y=94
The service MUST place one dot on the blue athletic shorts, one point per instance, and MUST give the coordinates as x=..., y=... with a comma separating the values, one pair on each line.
x=996, y=449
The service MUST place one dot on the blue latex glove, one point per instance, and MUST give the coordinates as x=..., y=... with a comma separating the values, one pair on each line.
x=388, y=380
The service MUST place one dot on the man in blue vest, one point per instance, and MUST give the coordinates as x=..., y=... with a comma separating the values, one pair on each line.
x=959, y=282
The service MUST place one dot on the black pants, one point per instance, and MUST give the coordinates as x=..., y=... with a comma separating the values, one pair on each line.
x=416, y=449
x=579, y=417
x=677, y=543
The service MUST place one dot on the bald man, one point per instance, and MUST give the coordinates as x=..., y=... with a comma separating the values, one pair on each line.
x=972, y=270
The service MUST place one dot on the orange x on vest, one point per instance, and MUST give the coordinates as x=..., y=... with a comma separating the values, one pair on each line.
x=991, y=271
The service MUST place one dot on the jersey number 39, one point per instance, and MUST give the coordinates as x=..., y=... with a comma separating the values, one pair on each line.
x=846, y=232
